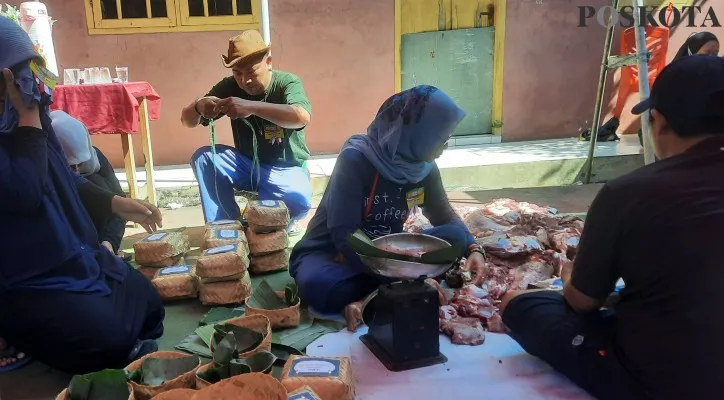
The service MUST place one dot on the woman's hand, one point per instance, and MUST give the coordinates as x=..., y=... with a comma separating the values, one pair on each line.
x=140, y=212
x=28, y=116
x=476, y=262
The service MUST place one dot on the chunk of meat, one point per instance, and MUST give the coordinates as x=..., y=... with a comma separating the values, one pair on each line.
x=405, y=252
x=530, y=272
x=467, y=331
x=565, y=240
x=481, y=225
x=447, y=312
x=472, y=290
x=416, y=223
x=470, y=306
x=495, y=324
x=503, y=246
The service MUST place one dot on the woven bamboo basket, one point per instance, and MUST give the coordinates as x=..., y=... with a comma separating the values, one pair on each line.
x=177, y=286
x=267, y=215
x=236, y=277
x=224, y=224
x=224, y=261
x=202, y=383
x=257, y=323
x=228, y=292
x=306, y=390
x=145, y=392
x=254, y=386
x=267, y=243
x=282, y=318
x=64, y=395
x=166, y=262
x=157, y=249
x=148, y=272
x=278, y=261
x=176, y=394
x=221, y=237
x=339, y=387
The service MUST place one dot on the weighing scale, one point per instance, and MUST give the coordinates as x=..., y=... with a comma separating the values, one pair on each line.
x=402, y=315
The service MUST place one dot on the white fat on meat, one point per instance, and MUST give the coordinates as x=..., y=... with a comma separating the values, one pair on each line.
x=471, y=290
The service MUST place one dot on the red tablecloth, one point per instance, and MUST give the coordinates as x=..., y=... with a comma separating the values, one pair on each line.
x=107, y=108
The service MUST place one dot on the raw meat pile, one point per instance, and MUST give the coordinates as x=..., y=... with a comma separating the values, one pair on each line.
x=524, y=243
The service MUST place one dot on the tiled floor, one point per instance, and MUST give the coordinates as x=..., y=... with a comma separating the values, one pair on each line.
x=489, y=154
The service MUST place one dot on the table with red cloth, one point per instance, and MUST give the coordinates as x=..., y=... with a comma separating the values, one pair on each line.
x=117, y=109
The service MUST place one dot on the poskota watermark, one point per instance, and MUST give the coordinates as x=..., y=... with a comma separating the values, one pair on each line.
x=671, y=16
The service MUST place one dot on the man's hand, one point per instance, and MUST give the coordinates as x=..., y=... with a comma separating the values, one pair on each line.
x=27, y=116
x=205, y=106
x=476, y=262
x=235, y=107
x=140, y=212
x=107, y=245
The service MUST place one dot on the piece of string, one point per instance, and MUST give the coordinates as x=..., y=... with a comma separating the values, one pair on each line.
x=215, y=162
x=255, y=164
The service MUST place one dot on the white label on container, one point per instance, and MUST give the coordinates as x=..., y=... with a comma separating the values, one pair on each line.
x=227, y=234
x=224, y=222
x=222, y=249
x=155, y=237
x=315, y=367
x=181, y=269
x=269, y=203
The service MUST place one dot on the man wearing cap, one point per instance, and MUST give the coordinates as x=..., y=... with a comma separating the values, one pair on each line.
x=659, y=229
x=269, y=111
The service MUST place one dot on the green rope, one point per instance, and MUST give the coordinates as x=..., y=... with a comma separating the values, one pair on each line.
x=214, y=161
x=255, y=164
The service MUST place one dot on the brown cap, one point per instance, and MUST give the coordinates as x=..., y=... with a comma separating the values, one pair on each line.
x=241, y=47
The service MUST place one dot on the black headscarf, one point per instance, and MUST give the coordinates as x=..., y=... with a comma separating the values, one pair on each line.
x=694, y=43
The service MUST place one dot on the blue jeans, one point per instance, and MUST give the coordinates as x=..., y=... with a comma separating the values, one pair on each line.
x=328, y=286
x=289, y=184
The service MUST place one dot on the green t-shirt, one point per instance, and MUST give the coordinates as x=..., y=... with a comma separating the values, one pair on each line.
x=274, y=144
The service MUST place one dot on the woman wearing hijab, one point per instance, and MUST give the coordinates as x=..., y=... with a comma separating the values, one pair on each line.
x=378, y=180
x=66, y=300
x=705, y=43
x=90, y=163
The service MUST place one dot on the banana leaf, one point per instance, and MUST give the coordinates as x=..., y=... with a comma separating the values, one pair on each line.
x=262, y=361
x=109, y=384
x=157, y=371
x=308, y=330
x=264, y=297
x=244, y=339
x=218, y=314
x=195, y=345
x=282, y=353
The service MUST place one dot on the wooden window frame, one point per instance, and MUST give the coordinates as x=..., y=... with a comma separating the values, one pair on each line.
x=177, y=20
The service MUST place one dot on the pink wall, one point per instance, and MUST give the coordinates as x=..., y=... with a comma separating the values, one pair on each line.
x=342, y=50
x=552, y=68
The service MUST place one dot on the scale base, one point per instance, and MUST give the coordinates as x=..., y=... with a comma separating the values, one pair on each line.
x=397, y=366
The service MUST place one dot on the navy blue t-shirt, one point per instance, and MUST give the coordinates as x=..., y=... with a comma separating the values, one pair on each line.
x=345, y=202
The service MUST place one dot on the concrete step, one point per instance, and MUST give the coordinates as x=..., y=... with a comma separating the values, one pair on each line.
x=543, y=163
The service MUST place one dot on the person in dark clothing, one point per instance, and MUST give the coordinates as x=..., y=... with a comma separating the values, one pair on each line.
x=66, y=300
x=92, y=164
x=659, y=229
x=378, y=180
x=701, y=43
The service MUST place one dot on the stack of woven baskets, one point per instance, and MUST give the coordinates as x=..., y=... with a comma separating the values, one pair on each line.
x=222, y=269
x=267, y=234
x=158, y=256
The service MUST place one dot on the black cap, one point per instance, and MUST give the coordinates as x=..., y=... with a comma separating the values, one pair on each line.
x=683, y=91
